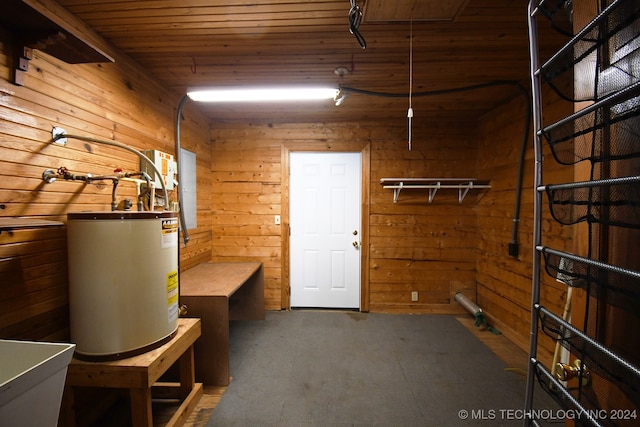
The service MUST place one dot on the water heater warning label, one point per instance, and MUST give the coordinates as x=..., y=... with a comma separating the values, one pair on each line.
x=169, y=232
x=172, y=295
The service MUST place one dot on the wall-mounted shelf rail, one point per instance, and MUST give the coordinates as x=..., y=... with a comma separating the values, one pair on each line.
x=463, y=185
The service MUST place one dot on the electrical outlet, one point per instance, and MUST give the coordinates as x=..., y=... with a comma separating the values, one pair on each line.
x=414, y=296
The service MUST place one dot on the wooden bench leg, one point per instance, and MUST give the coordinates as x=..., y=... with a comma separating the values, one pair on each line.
x=141, y=410
x=187, y=373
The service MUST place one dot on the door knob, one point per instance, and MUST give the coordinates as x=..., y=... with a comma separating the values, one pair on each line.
x=356, y=244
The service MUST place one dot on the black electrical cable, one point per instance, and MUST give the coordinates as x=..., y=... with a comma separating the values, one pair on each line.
x=513, y=245
x=355, y=18
x=433, y=92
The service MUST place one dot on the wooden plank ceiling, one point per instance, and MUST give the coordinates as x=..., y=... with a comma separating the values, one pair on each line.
x=188, y=43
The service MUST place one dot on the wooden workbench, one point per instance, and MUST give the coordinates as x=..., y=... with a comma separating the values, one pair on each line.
x=139, y=374
x=218, y=293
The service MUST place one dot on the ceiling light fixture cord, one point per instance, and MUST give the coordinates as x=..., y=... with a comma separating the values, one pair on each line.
x=513, y=83
x=410, y=111
x=355, y=18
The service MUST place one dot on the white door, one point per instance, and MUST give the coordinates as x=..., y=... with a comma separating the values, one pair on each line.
x=324, y=216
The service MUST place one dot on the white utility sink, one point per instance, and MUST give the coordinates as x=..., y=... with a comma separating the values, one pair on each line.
x=32, y=376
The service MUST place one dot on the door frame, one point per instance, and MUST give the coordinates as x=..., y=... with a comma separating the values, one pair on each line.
x=365, y=158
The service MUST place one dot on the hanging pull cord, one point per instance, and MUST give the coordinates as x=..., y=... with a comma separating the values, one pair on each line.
x=410, y=116
x=410, y=110
x=355, y=18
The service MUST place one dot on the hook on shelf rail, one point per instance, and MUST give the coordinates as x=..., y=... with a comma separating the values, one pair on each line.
x=463, y=185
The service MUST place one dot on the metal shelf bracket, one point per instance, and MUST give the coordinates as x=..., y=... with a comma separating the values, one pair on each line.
x=463, y=185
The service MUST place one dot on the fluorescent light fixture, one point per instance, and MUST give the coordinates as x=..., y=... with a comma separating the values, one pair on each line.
x=262, y=94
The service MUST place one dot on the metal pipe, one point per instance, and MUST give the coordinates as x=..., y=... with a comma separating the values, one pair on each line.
x=474, y=309
x=88, y=178
x=537, y=202
x=469, y=305
x=60, y=134
x=140, y=195
x=183, y=223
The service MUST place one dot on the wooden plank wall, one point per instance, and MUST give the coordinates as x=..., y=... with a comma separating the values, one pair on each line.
x=416, y=245
x=34, y=279
x=436, y=249
x=413, y=245
x=504, y=282
x=245, y=196
x=117, y=102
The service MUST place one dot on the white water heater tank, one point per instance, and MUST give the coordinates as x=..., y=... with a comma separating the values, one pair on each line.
x=123, y=282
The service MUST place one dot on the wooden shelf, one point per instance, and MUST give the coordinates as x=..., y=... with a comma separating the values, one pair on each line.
x=463, y=185
x=45, y=25
x=12, y=223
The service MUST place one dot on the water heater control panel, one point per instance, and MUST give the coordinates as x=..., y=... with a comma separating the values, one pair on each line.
x=166, y=166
